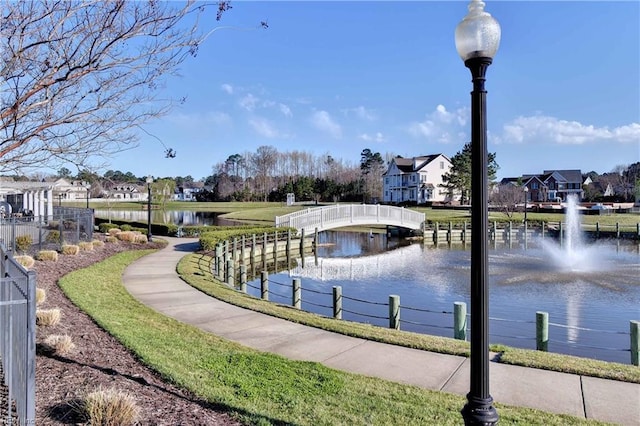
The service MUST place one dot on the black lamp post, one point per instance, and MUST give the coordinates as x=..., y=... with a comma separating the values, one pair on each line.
x=88, y=188
x=477, y=39
x=149, y=182
x=526, y=193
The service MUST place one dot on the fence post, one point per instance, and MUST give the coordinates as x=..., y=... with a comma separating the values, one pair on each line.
x=394, y=312
x=460, y=320
x=597, y=229
x=302, y=243
x=617, y=230
x=252, y=252
x=234, y=248
x=297, y=294
x=464, y=232
x=243, y=278
x=288, y=244
x=264, y=248
x=542, y=331
x=230, y=273
x=242, y=249
x=510, y=230
x=638, y=229
x=337, y=302
x=495, y=230
x=275, y=246
x=635, y=342
x=436, y=232
x=264, y=285
x=450, y=233
x=542, y=229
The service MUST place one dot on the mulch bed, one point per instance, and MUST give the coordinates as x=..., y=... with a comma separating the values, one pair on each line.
x=98, y=360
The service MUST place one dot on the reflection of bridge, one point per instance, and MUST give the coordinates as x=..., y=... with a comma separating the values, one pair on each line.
x=357, y=268
x=340, y=215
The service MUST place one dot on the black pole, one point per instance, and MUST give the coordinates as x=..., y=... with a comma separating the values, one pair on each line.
x=149, y=237
x=87, y=197
x=479, y=409
x=525, y=208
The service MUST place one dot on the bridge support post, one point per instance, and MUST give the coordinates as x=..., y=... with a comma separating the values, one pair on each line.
x=394, y=312
x=337, y=302
x=460, y=321
x=297, y=294
x=264, y=285
x=264, y=250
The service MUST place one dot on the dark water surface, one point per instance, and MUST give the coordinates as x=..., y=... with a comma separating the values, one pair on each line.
x=590, y=295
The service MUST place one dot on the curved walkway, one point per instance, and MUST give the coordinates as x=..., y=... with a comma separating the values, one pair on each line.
x=153, y=281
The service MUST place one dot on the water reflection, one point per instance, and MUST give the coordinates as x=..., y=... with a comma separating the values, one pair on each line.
x=176, y=217
x=429, y=280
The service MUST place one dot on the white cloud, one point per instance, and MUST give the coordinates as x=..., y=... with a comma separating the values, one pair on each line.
x=264, y=127
x=227, y=88
x=322, y=121
x=285, y=110
x=198, y=119
x=540, y=128
x=248, y=102
x=442, y=126
x=361, y=112
x=378, y=137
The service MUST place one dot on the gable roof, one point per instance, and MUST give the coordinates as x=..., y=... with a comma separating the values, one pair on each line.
x=568, y=175
x=414, y=164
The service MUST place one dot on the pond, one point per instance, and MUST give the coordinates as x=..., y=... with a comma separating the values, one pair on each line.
x=589, y=304
x=177, y=217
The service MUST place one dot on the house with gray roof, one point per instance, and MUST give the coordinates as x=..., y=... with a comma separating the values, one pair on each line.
x=416, y=180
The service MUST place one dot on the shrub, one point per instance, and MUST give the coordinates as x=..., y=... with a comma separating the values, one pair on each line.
x=107, y=227
x=23, y=243
x=126, y=227
x=70, y=249
x=41, y=295
x=47, y=317
x=26, y=261
x=109, y=407
x=59, y=344
x=53, y=224
x=53, y=236
x=45, y=255
x=97, y=243
x=111, y=239
x=85, y=245
x=114, y=231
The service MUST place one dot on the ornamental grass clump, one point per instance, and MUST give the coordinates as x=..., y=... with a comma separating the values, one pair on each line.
x=85, y=246
x=97, y=243
x=47, y=255
x=128, y=236
x=111, y=239
x=26, y=261
x=140, y=239
x=114, y=231
x=23, y=243
x=59, y=344
x=48, y=317
x=53, y=236
x=41, y=296
x=70, y=249
x=109, y=407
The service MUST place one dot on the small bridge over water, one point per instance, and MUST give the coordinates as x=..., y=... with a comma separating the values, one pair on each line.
x=341, y=215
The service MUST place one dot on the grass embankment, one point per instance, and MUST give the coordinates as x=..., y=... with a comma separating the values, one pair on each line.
x=260, y=388
x=194, y=269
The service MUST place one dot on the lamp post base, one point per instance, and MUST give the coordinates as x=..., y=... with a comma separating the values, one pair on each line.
x=479, y=411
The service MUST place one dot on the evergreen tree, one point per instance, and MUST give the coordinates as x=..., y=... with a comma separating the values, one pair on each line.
x=458, y=179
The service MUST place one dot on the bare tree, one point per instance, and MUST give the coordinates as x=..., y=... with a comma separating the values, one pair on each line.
x=507, y=197
x=263, y=162
x=79, y=78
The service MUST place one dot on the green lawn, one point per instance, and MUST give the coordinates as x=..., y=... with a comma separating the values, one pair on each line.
x=261, y=388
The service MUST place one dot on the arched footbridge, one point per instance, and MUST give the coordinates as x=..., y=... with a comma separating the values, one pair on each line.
x=341, y=215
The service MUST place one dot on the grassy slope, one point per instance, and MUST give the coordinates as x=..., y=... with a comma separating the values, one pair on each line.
x=260, y=388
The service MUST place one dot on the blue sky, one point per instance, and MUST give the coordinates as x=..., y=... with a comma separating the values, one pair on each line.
x=337, y=77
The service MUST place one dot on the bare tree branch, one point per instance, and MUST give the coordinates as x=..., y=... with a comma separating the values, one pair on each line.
x=77, y=77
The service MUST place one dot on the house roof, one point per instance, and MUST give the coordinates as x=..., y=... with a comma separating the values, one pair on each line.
x=569, y=175
x=406, y=165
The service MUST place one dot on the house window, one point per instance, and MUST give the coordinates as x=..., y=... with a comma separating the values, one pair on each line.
x=423, y=178
x=534, y=185
x=386, y=181
x=442, y=165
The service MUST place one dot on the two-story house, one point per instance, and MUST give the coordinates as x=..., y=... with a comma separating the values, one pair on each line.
x=416, y=180
x=553, y=185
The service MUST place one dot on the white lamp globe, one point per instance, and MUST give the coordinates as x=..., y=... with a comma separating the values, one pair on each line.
x=478, y=34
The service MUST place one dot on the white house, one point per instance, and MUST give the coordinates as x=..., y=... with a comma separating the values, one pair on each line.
x=416, y=180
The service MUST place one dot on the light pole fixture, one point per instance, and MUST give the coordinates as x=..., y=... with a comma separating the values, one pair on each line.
x=526, y=193
x=149, y=182
x=477, y=40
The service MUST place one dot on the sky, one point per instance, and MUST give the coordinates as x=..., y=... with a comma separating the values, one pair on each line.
x=337, y=77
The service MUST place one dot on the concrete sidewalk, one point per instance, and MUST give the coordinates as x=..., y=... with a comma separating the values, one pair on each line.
x=153, y=281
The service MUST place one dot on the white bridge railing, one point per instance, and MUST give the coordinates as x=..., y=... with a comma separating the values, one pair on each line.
x=340, y=215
